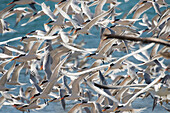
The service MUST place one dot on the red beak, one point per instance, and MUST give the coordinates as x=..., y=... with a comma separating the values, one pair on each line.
x=10, y=3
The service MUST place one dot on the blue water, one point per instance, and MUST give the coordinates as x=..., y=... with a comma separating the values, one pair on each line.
x=91, y=42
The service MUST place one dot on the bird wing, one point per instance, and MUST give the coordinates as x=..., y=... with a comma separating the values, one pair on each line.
x=47, y=11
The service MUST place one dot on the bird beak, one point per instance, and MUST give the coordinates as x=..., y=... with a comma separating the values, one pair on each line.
x=41, y=68
x=47, y=23
x=75, y=32
x=166, y=69
x=50, y=100
x=20, y=108
x=60, y=2
x=87, y=56
x=21, y=40
x=141, y=3
x=80, y=104
x=103, y=110
x=159, y=80
x=106, y=29
x=113, y=22
x=61, y=98
x=14, y=105
x=69, y=31
x=144, y=30
x=28, y=33
x=41, y=84
x=84, y=23
x=115, y=109
x=32, y=97
x=14, y=58
x=10, y=3
x=107, y=71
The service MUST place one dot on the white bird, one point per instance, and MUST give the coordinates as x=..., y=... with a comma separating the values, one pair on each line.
x=142, y=8
x=30, y=55
x=45, y=94
x=34, y=17
x=32, y=105
x=23, y=2
x=4, y=78
x=3, y=24
x=86, y=28
x=20, y=11
x=128, y=103
x=96, y=89
x=46, y=66
x=15, y=75
x=99, y=7
x=112, y=64
x=95, y=107
x=76, y=88
x=6, y=75
x=86, y=10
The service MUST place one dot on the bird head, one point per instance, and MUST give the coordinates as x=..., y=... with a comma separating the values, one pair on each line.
x=117, y=108
x=17, y=57
x=107, y=71
x=143, y=2
x=64, y=97
x=11, y=2
x=30, y=32
x=35, y=95
x=49, y=22
x=62, y=1
x=23, y=38
x=86, y=22
x=76, y=30
x=105, y=108
x=115, y=20
x=90, y=55
x=43, y=82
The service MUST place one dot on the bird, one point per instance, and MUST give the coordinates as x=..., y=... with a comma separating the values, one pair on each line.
x=94, y=106
x=23, y=2
x=45, y=93
x=30, y=55
x=85, y=29
x=46, y=66
x=21, y=13
x=138, y=93
x=15, y=75
x=4, y=24
x=102, y=92
x=144, y=40
x=116, y=63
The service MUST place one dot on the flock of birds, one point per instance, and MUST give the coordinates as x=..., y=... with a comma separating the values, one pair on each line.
x=124, y=67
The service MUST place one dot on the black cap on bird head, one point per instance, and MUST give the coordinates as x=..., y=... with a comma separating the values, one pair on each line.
x=76, y=30
x=112, y=64
x=23, y=38
x=49, y=22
